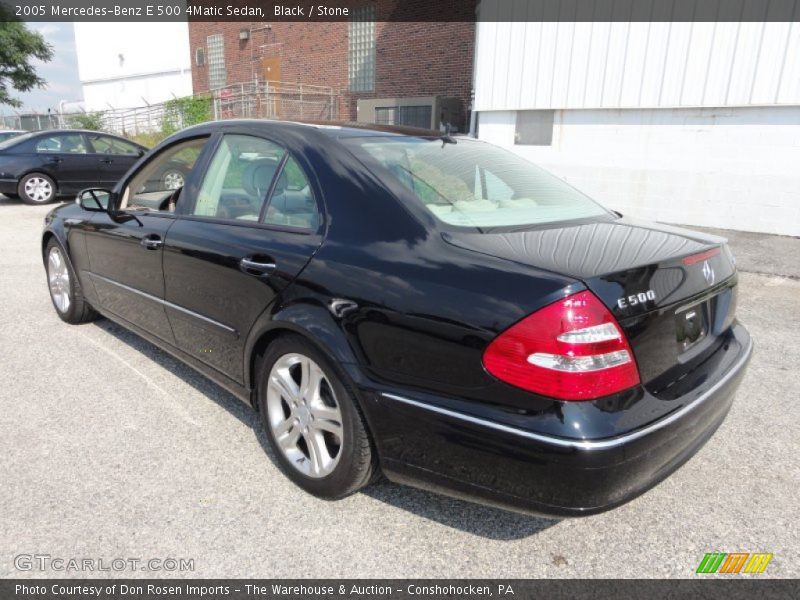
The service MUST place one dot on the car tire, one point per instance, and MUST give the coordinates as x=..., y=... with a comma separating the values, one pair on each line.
x=172, y=179
x=65, y=289
x=318, y=435
x=36, y=188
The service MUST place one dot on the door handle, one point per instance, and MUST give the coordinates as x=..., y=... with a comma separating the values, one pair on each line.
x=152, y=242
x=107, y=161
x=255, y=267
x=54, y=159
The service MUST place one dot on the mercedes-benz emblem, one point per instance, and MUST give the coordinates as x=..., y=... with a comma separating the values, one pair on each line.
x=708, y=273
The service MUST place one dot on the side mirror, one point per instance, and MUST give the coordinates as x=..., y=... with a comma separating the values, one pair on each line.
x=141, y=153
x=94, y=200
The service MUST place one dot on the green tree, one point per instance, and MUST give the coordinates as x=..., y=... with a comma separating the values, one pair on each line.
x=18, y=47
x=92, y=121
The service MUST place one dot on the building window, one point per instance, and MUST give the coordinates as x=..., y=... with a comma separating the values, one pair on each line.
x=217, y=77
x=410, y=116
x=361, y=49
x=534, y=128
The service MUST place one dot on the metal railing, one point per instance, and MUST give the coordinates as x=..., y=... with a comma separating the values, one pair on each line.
x=254, y=100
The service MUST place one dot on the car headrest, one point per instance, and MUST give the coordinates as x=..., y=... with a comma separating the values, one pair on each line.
x=257, y=176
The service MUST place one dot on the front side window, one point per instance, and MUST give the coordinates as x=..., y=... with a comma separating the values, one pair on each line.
x=104, y=144
x=64, y=144
x=238, y=178
x=472, y=184
x=158, y=185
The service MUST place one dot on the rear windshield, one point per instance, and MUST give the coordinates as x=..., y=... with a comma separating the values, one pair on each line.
x=13, y=141
x=468, y=183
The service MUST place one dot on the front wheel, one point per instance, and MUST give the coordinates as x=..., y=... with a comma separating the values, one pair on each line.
x=65, y=291
x=312, y=421
x=36, y=188
x=172, y=180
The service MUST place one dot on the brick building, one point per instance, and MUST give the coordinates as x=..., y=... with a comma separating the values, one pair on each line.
x=413, y=73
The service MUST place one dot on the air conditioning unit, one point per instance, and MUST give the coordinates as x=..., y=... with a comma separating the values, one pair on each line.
x=200, y=57
x=427, y=112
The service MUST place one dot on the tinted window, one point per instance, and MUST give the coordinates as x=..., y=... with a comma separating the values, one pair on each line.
x=104, y=144
x=292, y=203
x=64, y=144
x=473, y=184
x=238, y=178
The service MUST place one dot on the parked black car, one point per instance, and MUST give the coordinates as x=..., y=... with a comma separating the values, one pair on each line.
x=435, y=308
x=38, y=167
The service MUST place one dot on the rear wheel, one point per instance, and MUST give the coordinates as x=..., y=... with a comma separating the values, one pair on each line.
x=36, y=188
x=65, y=291
x=312, y=421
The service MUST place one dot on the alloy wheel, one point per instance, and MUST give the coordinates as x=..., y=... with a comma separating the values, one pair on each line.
x=38, y=189
x=173, y=180
x=304, y=415
x=58, y=279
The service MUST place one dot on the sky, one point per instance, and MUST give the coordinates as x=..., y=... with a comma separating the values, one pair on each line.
x=61, y=73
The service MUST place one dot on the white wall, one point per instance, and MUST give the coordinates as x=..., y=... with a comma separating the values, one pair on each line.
x=130, y=64
x=735, y=168
x=609, y=65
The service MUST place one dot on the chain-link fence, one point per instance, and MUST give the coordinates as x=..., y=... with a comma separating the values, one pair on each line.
x=276, y=100
x=262, y=100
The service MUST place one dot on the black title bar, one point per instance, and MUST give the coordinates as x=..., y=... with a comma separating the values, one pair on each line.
x=322, y=11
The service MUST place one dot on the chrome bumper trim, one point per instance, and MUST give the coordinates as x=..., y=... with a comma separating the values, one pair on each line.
x=604, y=444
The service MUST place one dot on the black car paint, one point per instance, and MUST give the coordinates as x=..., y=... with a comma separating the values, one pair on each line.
x=406, y=311
x=72, y=172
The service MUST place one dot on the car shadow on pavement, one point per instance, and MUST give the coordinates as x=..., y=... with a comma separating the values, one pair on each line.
x=476, y=519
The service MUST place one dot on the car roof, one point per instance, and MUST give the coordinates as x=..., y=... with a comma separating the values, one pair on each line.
x=334, y=129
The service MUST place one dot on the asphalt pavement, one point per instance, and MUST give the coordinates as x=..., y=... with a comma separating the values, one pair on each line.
x=111, y=449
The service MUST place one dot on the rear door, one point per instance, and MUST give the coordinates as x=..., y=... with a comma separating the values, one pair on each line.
x=114, y=157
x=244, y=233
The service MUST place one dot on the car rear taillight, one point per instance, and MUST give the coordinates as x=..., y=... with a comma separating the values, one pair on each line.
x=572, y=349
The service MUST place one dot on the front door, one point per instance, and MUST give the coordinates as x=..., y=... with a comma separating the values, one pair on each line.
x=251, y=227
x=126, y=251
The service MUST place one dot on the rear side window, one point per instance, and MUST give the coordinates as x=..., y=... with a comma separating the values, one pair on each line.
x=63, y=144
x=292, y=203
x=104, y=144
x=238, y=178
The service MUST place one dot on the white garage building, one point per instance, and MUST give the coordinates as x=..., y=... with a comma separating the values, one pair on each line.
x=688, y=123
x=126, y=65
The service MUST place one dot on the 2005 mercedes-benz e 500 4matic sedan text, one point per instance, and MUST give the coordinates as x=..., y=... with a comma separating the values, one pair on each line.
x=428, y=307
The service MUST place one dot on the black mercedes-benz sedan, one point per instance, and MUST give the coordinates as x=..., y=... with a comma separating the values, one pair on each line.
x=404, y=302
x=40, y=166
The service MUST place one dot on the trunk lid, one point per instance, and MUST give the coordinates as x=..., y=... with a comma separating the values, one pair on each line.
x=671, y=290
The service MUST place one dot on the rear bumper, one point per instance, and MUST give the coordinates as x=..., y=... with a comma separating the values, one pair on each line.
x=496, y=460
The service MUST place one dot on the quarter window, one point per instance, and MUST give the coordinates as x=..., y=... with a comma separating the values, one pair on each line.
x=63, y=144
